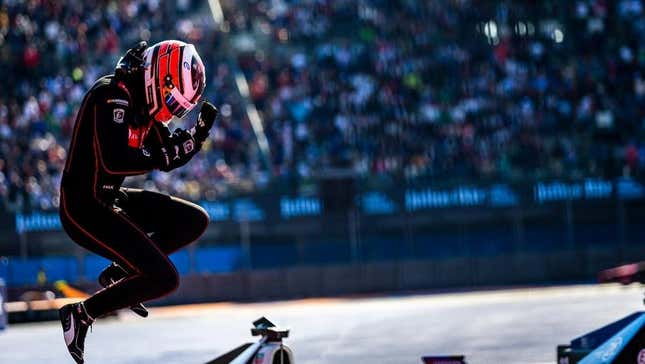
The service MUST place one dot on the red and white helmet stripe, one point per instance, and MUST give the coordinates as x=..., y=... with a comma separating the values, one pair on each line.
x=174, y=79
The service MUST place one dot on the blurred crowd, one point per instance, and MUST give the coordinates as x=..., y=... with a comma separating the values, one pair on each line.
x=451, y=89
x=447, y=89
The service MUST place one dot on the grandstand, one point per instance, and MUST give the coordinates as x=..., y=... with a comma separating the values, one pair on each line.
x=551, y=90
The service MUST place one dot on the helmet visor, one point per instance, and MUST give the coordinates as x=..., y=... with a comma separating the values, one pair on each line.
x=177, y=104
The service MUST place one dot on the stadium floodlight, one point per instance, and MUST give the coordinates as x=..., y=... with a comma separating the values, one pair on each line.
x=243, y=88
x=216, y=12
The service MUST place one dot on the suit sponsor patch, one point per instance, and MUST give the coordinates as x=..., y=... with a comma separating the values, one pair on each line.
x=118, y=115
x=189, y=146
x=118, y=102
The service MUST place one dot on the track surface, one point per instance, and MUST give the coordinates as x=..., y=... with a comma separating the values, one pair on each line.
x=504, y=326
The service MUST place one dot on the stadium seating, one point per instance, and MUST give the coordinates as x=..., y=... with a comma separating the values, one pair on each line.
x=428, y=89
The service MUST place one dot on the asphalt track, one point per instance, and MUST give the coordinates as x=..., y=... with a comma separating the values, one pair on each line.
x=498, y=326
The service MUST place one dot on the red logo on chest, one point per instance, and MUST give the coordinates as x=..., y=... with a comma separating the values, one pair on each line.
x=136, y=136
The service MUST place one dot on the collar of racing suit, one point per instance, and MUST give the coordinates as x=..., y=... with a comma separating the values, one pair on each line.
x=129, y=72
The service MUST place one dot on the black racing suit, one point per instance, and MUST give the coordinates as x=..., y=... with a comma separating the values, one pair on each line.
x=137, y=229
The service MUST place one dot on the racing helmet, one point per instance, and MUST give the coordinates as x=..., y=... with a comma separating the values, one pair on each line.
x=174, y=78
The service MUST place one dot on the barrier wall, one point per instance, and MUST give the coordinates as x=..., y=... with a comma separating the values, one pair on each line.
x=389, y=237
x=24, y=271
x=399, y=276
x=393, y=276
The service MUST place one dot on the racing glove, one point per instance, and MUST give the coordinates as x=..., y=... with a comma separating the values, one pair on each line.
x=205, y=120
x=177, y=153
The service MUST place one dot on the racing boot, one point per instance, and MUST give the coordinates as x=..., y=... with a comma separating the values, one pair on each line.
x=114, y=273
x=75, y=322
